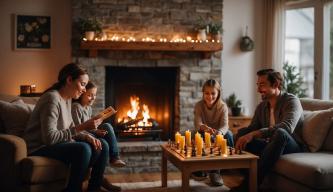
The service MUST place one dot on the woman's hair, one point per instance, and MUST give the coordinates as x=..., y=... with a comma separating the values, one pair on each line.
x=70, y=70
x=215, y=84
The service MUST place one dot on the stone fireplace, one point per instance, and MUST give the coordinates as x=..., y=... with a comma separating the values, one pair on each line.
x=154, y=18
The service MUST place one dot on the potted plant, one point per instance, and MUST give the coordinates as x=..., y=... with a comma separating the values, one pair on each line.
x=234, y=104
x=215, y=30
x=293, y=81
x=89, y=27
x=201, y=28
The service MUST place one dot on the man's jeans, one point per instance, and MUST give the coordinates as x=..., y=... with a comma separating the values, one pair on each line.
x=79, y=156
x=270, y=151
x=111, y=139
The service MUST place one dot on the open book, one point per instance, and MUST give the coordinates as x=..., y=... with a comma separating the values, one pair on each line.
x=106, y=113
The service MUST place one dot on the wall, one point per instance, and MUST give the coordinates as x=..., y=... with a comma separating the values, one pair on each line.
x=38, y=67
x=239, y=68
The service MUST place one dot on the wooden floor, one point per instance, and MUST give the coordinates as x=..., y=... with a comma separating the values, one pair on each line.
x=230, y=178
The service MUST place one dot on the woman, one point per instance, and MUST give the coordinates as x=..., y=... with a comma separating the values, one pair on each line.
x=211, y=115
x=81, y=112
x=50, y=131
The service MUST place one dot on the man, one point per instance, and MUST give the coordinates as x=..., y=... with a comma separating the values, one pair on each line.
x=271, y=132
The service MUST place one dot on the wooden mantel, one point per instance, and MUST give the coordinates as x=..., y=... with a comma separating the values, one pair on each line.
x=207, y=48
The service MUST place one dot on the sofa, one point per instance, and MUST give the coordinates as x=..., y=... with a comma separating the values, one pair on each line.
x=312, y=170
x=18, y=171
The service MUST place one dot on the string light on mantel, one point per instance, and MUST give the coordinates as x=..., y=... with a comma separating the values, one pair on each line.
x=188, y=39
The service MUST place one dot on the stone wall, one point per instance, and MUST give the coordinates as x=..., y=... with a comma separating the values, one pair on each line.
x=159, y=18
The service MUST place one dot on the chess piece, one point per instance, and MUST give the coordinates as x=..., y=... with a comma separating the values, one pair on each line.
x=193, y=151
x=203, y=152
x=211, y=151
x=230, y=150
x=185, y=150
x=169, y=143
x=177, y=145
x=220, y=151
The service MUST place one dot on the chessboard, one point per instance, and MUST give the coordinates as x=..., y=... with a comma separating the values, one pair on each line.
x=190, y=152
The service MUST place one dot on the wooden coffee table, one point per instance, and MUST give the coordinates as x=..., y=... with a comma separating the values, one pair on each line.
x=187, y=165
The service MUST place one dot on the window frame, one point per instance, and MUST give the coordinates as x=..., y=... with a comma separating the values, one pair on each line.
x=321, y=44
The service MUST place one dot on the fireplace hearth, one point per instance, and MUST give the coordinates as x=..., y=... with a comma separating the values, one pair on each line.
x=137, y=122
x=144, y=98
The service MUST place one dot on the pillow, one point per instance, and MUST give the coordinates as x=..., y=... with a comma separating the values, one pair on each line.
x=15, y=116
x=315, y=127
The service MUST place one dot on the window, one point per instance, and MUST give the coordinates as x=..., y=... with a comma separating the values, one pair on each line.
x=299, y=44
x=308, y=43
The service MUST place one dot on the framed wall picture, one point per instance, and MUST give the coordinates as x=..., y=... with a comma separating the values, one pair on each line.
x=32, y=32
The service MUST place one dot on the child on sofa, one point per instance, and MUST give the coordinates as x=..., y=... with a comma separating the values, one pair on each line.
x=81, y=112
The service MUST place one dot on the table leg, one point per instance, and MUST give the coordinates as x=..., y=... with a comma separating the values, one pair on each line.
x=185, y=180
x=164, y=172
x=253, y=176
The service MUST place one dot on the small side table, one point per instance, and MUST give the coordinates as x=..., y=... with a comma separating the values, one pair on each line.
x=237, y=122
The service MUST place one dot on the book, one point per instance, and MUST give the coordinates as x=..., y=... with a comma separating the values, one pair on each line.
x=106, y=113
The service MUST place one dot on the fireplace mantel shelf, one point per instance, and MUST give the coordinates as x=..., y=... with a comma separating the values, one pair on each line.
x=94, y=46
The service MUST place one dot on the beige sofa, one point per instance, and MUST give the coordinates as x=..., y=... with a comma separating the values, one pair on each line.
x=18, y=172
x=308, y=171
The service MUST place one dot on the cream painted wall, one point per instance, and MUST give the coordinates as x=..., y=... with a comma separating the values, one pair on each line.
x=33, y=67
x=239, y=68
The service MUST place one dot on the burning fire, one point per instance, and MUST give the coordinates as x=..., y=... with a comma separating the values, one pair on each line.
x=132, y=114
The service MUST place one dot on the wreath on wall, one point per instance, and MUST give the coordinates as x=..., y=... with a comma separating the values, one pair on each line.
x=246, y=43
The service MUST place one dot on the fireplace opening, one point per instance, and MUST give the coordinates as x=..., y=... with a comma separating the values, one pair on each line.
x=145, y=99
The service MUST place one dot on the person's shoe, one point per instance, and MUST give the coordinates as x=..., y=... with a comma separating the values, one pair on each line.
x=117, y=163
x=216, y=179
x=199, y=175
x=109, y=187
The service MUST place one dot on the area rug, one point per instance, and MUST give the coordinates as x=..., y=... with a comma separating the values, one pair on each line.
x=173, y=186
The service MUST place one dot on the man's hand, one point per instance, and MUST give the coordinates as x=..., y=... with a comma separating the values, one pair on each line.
x=243, y=141
x=94, y=142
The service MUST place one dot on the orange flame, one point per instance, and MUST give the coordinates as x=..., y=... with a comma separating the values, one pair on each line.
x=132, y=113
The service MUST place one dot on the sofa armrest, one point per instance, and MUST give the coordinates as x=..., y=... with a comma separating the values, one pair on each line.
x=12, y=150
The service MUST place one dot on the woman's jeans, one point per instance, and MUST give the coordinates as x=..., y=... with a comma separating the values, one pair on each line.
x=111, y=139
x=269, y=152
x=79, y=156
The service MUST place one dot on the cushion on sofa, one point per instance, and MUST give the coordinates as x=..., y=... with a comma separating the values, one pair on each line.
x=35, y=169
x=314, y=170
x=328, y=144
x=11, y=98
x=316, y=126
x=315, y=104
x=14, y=116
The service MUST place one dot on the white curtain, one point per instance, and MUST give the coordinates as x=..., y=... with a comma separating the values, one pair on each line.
x=274, y=30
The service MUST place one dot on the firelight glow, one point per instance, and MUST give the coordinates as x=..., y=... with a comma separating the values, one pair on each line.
x=132, y=114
